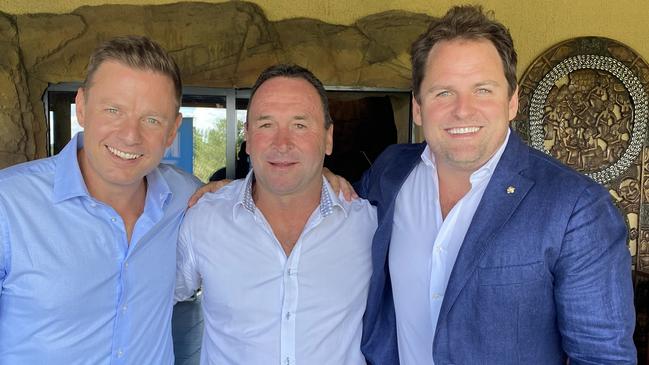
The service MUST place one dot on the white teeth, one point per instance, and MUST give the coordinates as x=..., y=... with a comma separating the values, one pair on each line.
x=122, y=154
x=463, y=130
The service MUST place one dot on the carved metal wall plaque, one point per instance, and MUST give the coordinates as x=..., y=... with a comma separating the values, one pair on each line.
x=584, y=101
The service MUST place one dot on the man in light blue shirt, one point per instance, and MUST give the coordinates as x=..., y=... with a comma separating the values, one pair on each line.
x=283, y=262
x=88, y=237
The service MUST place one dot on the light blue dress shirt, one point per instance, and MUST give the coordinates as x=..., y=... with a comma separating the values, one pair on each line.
x=73, y=291
x=423, y=250
x=263, y=308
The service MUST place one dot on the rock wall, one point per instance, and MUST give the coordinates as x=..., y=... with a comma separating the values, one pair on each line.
x=216, y=45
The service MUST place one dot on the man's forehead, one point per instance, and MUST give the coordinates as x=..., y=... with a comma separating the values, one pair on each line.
x=284, y=90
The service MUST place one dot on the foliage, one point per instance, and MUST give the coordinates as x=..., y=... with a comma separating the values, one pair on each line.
x=209, y=150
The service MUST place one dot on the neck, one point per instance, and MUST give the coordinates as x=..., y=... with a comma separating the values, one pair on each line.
x=453, y=186
x=287, y=214
x=126, y=200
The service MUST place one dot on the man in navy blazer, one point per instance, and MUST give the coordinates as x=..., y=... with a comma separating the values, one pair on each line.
x=487, y=251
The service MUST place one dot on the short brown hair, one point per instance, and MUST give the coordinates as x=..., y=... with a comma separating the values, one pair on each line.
x=138, y=52
x=464, y=22
x=294, y=72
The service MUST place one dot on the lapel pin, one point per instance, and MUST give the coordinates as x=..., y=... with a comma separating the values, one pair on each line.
x=511, y=190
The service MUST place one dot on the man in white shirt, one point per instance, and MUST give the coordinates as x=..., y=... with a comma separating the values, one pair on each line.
x=284, y=264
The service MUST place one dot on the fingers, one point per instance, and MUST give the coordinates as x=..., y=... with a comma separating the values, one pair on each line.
x=210, y=187
x=347, y=190
x=340, y=185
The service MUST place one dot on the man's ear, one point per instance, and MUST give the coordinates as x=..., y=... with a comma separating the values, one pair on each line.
x=416, y=111
x=513, y=105
x=80, y=102
x=174, y=130
x=329, y=143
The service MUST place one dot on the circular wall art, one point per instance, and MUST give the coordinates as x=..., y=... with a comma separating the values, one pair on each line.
x=586, y=106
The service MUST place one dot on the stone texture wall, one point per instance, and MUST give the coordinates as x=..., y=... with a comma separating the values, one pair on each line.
x=17, y=129
x=216, y=45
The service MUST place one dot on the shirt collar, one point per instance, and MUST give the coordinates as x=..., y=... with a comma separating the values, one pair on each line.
x=69, y=183
x=483, y=172
x=328, y=200
x=157, y=194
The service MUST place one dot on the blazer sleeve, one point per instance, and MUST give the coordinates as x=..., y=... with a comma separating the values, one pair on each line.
x=593, y=288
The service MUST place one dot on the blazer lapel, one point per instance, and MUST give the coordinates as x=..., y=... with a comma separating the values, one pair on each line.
x=390, y=183
x=503, y=194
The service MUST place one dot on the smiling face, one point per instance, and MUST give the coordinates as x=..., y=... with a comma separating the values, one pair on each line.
x=129, y=117
x=464, y=105
x=286, y=137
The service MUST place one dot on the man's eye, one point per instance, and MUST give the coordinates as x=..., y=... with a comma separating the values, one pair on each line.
x=112, y=110
x=152, y=121
x=443, y=93
x=483, y=91
x=300, y=126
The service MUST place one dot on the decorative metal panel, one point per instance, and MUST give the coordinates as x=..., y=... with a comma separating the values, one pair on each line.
x=584, y=101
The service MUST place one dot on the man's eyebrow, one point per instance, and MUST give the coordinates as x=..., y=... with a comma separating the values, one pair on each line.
x=438, y=87
x=487, y=83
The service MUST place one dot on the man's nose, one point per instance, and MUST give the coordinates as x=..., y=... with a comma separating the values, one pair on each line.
x=464, y=106
x=130, y=131
x=283, y=139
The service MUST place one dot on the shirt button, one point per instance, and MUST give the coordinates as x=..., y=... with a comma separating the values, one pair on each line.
x=113, y=220
x=126, y=265
x=436, y=296
x=288, y=316
x=120, y=353
x=124, y=308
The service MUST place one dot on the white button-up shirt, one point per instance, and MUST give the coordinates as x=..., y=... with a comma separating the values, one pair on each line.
x=262, y=307
x=423, y=250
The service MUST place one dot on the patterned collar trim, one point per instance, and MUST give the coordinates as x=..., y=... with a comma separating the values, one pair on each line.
x=326, y=202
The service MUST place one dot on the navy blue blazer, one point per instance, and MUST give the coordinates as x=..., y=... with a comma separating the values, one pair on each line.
x=543, y=273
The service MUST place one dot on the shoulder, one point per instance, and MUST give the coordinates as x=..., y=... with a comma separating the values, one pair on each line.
x=555, y=175
x=27, y=169
x=395, y=159
x=27, y=174
x=219, y=201
x=173, y=174
x=397, y=152
x=181, y=183
x=360, y=206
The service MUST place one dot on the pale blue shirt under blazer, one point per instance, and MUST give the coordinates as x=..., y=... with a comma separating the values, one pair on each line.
x=72, y=290
x=423, y=251
x=263, y=308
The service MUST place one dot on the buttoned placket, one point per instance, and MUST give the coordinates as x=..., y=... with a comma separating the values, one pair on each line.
x=290, y=285
x=290, y=265
x=122, y=319
x=442, y=259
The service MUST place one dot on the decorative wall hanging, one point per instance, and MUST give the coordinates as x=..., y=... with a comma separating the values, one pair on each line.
x=584, y=101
